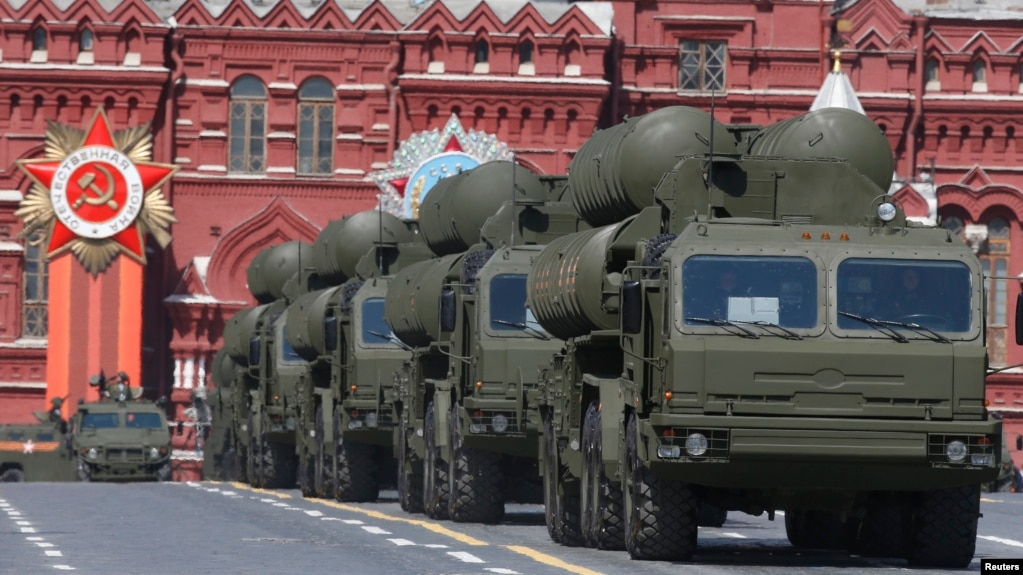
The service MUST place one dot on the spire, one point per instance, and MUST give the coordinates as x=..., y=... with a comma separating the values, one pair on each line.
x=837, y=91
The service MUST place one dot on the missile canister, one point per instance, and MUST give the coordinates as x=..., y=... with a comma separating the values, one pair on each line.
x=343, y=242
x=831, y=133
x=614, y=174
x=454, y=211
x=239, y=330
x=412, y=307
x=305, y=328
x=273, y=267
x=568, y=280
x=222, y=369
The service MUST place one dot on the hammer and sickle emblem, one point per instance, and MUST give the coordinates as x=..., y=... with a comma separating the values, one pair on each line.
x=88, y=184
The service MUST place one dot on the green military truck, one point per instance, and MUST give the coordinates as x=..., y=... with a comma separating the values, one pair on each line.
x=121, y=437
x=37, y=452
x=740, y=339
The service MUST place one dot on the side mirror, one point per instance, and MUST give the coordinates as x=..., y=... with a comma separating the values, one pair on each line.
x=632, y=307
x=447, y=309
x=330, y=333
x=1019, y=319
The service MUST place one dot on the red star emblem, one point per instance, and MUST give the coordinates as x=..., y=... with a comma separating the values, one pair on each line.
x=400, y=183
x=98, y=192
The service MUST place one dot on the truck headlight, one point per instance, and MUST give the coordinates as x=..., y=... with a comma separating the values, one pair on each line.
x=956, y=451
x=154, y=453
x=93, y=453
x=696, y=444
x=371, y=419
x=500, y=423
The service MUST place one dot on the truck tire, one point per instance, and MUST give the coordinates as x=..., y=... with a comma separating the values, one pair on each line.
x=410, y=473
x=475, y=490
x=12, y=475
x=662, y=514
x=882, y=531
x=323, y=472
x=712, y=515
x=562, y=510
x=435, y=472
x=165, y=473
x=83, y=472
x=306, y=467
x=357, y=473
x=278, y=464
x=944, y=527
x=603, y=519
x=254, y=458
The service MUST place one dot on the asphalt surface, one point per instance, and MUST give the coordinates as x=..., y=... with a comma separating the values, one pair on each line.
x=221, y=528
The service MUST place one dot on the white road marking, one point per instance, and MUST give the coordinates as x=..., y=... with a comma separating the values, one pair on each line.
x=464, y=556
x=13, y=513
x=28, y=529
x=436, y=546
x=401, y=542
x=228, y=493
x=281, y=505
x=313, y=513
x=44, y=545
x=53, y=553
x=1001, y=540
x=214, y=490
x=268, y=500
x=736, y=535
x=329, y=519
x=501, y=570
x=33, y=539
x=780, y=513
x=352, y=521
x=375, y=530
x=64, y=567
x=23, y=523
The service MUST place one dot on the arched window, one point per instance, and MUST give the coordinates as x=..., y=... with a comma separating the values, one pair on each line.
x=482, y=65
x=248, y=126
x=34, y=293
x=994, y=253
x=572, y=58
x=39, y=54
x=526, y=67
x=132, y=49
x=932, y=75
x=85, y=46
x=316, y=127
x=980, y=76
x=436, y=54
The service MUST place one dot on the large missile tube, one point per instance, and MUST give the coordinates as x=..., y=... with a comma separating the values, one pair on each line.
x=305, y=327
x=223, y=369
x=614, y=174
x=568, y=280
x=273, y=267
x=412, y=307
x=831, y=133
x=239, y=331
x=455, y=209
x=342, y=243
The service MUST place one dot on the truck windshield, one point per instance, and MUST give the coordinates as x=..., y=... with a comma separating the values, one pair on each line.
x=100, y=421
x=768, y=290
x=933, y=294
x=508, y=309
x=138, y=420
x=375, y=330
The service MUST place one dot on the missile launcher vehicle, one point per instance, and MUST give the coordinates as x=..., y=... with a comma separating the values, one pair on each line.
x=736, y=336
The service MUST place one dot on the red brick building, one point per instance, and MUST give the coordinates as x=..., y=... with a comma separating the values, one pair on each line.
x=278, y=110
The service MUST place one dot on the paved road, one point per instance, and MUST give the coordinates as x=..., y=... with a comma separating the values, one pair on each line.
x=185, y=528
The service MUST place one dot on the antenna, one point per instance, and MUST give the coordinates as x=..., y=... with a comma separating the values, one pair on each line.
x=710, y=168
x=511, y=229
x=380, y=234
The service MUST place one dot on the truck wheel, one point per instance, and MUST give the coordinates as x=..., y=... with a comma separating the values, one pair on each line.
x=662, y=513
x=357, y=473
x=944, y=527
x=562, y=508
x=712, y=515
x=603, y=519
x=815, y=529
x=165, y=473
x=882, y=531
x=306, y=468
x=550, y=479
x=12, y=475
x=476, y=493
x=410, y=473
x=254, y=458
x=435, y=472
x=323, y=464
x=83, y=472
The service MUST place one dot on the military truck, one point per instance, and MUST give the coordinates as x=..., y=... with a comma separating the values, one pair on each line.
x=37, y=452
x=467, y=439
x=121, y=437
x=796, y=384
x=345, y=402
x=220, y=455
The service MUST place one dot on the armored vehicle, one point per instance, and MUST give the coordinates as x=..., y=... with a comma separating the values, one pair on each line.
x=738, y=340
x=467, y=441
x=37, y=452
x=124, y=438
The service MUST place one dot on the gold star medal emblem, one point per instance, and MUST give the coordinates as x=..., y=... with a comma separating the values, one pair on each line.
x=97, y=193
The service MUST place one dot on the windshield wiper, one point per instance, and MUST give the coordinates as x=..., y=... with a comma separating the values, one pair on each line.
x=879, y=325
x=788, y=333
x=924, y=331
x=524, y=327
x=725, y=322
x=390, y=339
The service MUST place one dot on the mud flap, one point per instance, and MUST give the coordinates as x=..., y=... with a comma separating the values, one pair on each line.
x=327, y=404
x=613, y=421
